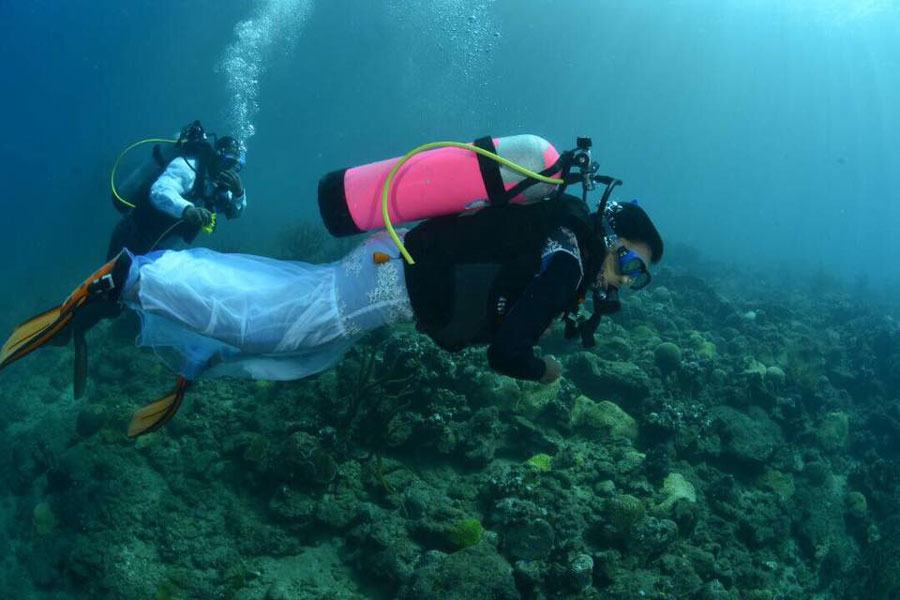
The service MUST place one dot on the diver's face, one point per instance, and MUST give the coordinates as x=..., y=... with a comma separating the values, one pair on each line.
x=610, y=275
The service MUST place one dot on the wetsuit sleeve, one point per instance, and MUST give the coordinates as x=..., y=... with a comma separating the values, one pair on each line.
x=549, y=294
x=167, y=194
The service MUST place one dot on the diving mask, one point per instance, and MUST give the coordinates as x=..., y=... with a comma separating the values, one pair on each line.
x=230, y=154
x=232, y=161
x=633, y=266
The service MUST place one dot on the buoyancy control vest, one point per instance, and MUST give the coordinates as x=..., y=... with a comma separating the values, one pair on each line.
x=471, y=269
x=150, y=222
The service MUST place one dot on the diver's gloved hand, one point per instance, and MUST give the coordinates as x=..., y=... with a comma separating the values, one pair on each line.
x=231, y=182
x=197, y=217
x=553, y=369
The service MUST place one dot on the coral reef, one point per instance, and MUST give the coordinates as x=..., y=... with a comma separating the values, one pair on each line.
x=715, y=444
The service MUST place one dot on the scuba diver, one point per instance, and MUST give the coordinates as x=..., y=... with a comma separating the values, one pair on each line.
x=173, y=195
x=497, y=277
x=178, y=191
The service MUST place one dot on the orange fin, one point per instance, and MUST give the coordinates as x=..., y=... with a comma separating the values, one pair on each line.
x=156, y=414
x=32, y=334
x=40, y=329
x=81, y=360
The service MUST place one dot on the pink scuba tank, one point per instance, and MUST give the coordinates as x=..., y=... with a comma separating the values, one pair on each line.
x=442, y=181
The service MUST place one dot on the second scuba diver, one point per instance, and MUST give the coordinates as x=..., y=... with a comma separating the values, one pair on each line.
x=185, y=184
x=498, y=277
x=172, y=196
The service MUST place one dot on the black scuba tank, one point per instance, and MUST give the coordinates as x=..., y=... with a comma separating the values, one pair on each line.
x=136, y=185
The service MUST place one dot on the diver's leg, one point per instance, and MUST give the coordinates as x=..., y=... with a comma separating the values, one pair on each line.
x=123, y=236
x=103, y=286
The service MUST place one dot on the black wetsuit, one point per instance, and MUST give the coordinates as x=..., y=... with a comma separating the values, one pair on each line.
x=147, y=228
x=499, y=278
x=549, y=294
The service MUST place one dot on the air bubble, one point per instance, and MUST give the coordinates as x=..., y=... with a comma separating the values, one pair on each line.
x=276, y=26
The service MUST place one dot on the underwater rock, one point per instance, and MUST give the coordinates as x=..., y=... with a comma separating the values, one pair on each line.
x=597, y=377
x=754, y=369
x=781, y=484
x=292, y=506
x=540, y=463
x=72, y=468
x=675, y=488
x=90, y=420
x=817, y=472
x=623, y=511
x=474, y=573
x=529, y=540
x=667, y=357
x=714, y=590
x=821, y=527
x=278, y=591
x=833, y=430
x=491, y=389
x=42, y=567
x=614, y=348
x=417, y=499
x=43, y=519
x=642, y=331
x=301, y=460
x=512, y=510
x=702, y=347
x=775, y=375
x=478, y=437
x=652, y=536
x=465, y=532
x=338, y=510
x=604, y=417
x=581, y=571
x=529, y=575
x=535, y=397
x=750, y=436
x=251, y=447
x=629, y=461
x=396, y=563
x=856, y=505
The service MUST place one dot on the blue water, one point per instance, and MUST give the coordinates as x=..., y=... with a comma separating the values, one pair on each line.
x=760, y=133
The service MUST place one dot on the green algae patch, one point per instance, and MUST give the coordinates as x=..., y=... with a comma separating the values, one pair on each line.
x=605, y=417
x=781, y=484
x=676, y=487
x=466, y=532
x=643, y=331
x=668, y=357
x=540, y=462
x=701, y=346
x=43, y=519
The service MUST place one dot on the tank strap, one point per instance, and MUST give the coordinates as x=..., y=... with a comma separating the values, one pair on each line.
x=526, y=183
x=198, y=192
x=490, y=173
x=158, y=157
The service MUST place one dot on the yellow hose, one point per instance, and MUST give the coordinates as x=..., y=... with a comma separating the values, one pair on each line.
x=112, y=175
x=387, y=182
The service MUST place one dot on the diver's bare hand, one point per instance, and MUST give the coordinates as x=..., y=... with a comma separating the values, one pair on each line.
x=552, y=371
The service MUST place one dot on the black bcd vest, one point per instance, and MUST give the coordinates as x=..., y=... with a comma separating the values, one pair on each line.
x=151, y=223
x=470, y=269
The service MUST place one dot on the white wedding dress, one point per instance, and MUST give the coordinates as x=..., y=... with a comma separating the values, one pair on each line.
x=215, y=314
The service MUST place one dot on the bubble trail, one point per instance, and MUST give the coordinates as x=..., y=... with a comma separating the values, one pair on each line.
x=276, y=26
